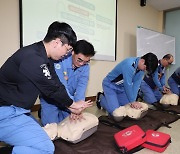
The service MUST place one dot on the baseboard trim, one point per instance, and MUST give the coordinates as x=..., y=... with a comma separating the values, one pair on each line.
x=36, y=107
x=92, y=98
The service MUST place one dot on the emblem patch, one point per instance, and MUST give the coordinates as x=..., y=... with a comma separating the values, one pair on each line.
x=57, y=66
x=45, y=71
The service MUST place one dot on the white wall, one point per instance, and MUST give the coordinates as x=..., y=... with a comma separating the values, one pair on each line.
x=130, y=15
x=9, y=28
x=172, y=28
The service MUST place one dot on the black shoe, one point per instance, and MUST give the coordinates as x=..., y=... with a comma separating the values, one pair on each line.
x=39, y=113
x=6, y=150
x=98, y=99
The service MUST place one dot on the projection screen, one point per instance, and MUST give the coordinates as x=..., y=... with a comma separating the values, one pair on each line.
x=92, y=20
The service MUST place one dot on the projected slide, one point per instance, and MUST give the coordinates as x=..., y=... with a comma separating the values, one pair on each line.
x=93, y=20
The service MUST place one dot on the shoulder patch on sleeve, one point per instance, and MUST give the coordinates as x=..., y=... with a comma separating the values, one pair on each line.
x=46, y=71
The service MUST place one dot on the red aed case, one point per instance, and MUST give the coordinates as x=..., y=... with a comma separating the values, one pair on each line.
x=130, y=138
x=157, y=141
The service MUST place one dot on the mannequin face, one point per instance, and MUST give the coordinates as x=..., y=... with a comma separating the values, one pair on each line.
x=141, y=65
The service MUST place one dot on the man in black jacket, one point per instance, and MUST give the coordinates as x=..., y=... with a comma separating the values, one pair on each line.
x=28, y=73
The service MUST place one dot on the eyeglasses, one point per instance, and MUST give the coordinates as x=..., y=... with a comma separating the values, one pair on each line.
x=68, y=50
x=82, y=61
x=169, y=63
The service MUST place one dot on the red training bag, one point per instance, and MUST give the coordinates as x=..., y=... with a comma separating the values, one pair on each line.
x=157, y=141
x=129, y=138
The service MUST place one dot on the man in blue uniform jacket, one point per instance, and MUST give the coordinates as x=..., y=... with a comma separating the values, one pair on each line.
x=121, y=85
x=29, y=72
x=174, y=82
x=73, y=72
x=153, y=86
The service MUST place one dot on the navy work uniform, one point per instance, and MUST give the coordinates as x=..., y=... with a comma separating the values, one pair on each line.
x=75, y=80
x=174, y=82
x=152, y=86
x=25, y=75
x=121, y=85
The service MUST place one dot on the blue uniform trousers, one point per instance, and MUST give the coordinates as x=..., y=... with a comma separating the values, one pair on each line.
x=150, y=95
x=175, y=88
x=23, y=132
x=114, y=96
x=51, y=114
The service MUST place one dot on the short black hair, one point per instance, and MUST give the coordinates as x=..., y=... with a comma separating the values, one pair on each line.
x=167, y=56
x=63, y=31
x=151, y=62
x=84, y=47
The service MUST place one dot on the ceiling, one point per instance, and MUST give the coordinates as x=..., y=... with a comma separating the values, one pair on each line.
x=162, y=5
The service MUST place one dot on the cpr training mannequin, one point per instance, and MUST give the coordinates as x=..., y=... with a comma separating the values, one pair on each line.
x=73, y=131
x=171, y=99
x=130, y=112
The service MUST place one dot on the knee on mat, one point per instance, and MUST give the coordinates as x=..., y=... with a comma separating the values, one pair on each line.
x=41, y=148
x=51, y=148
x=46, y=147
